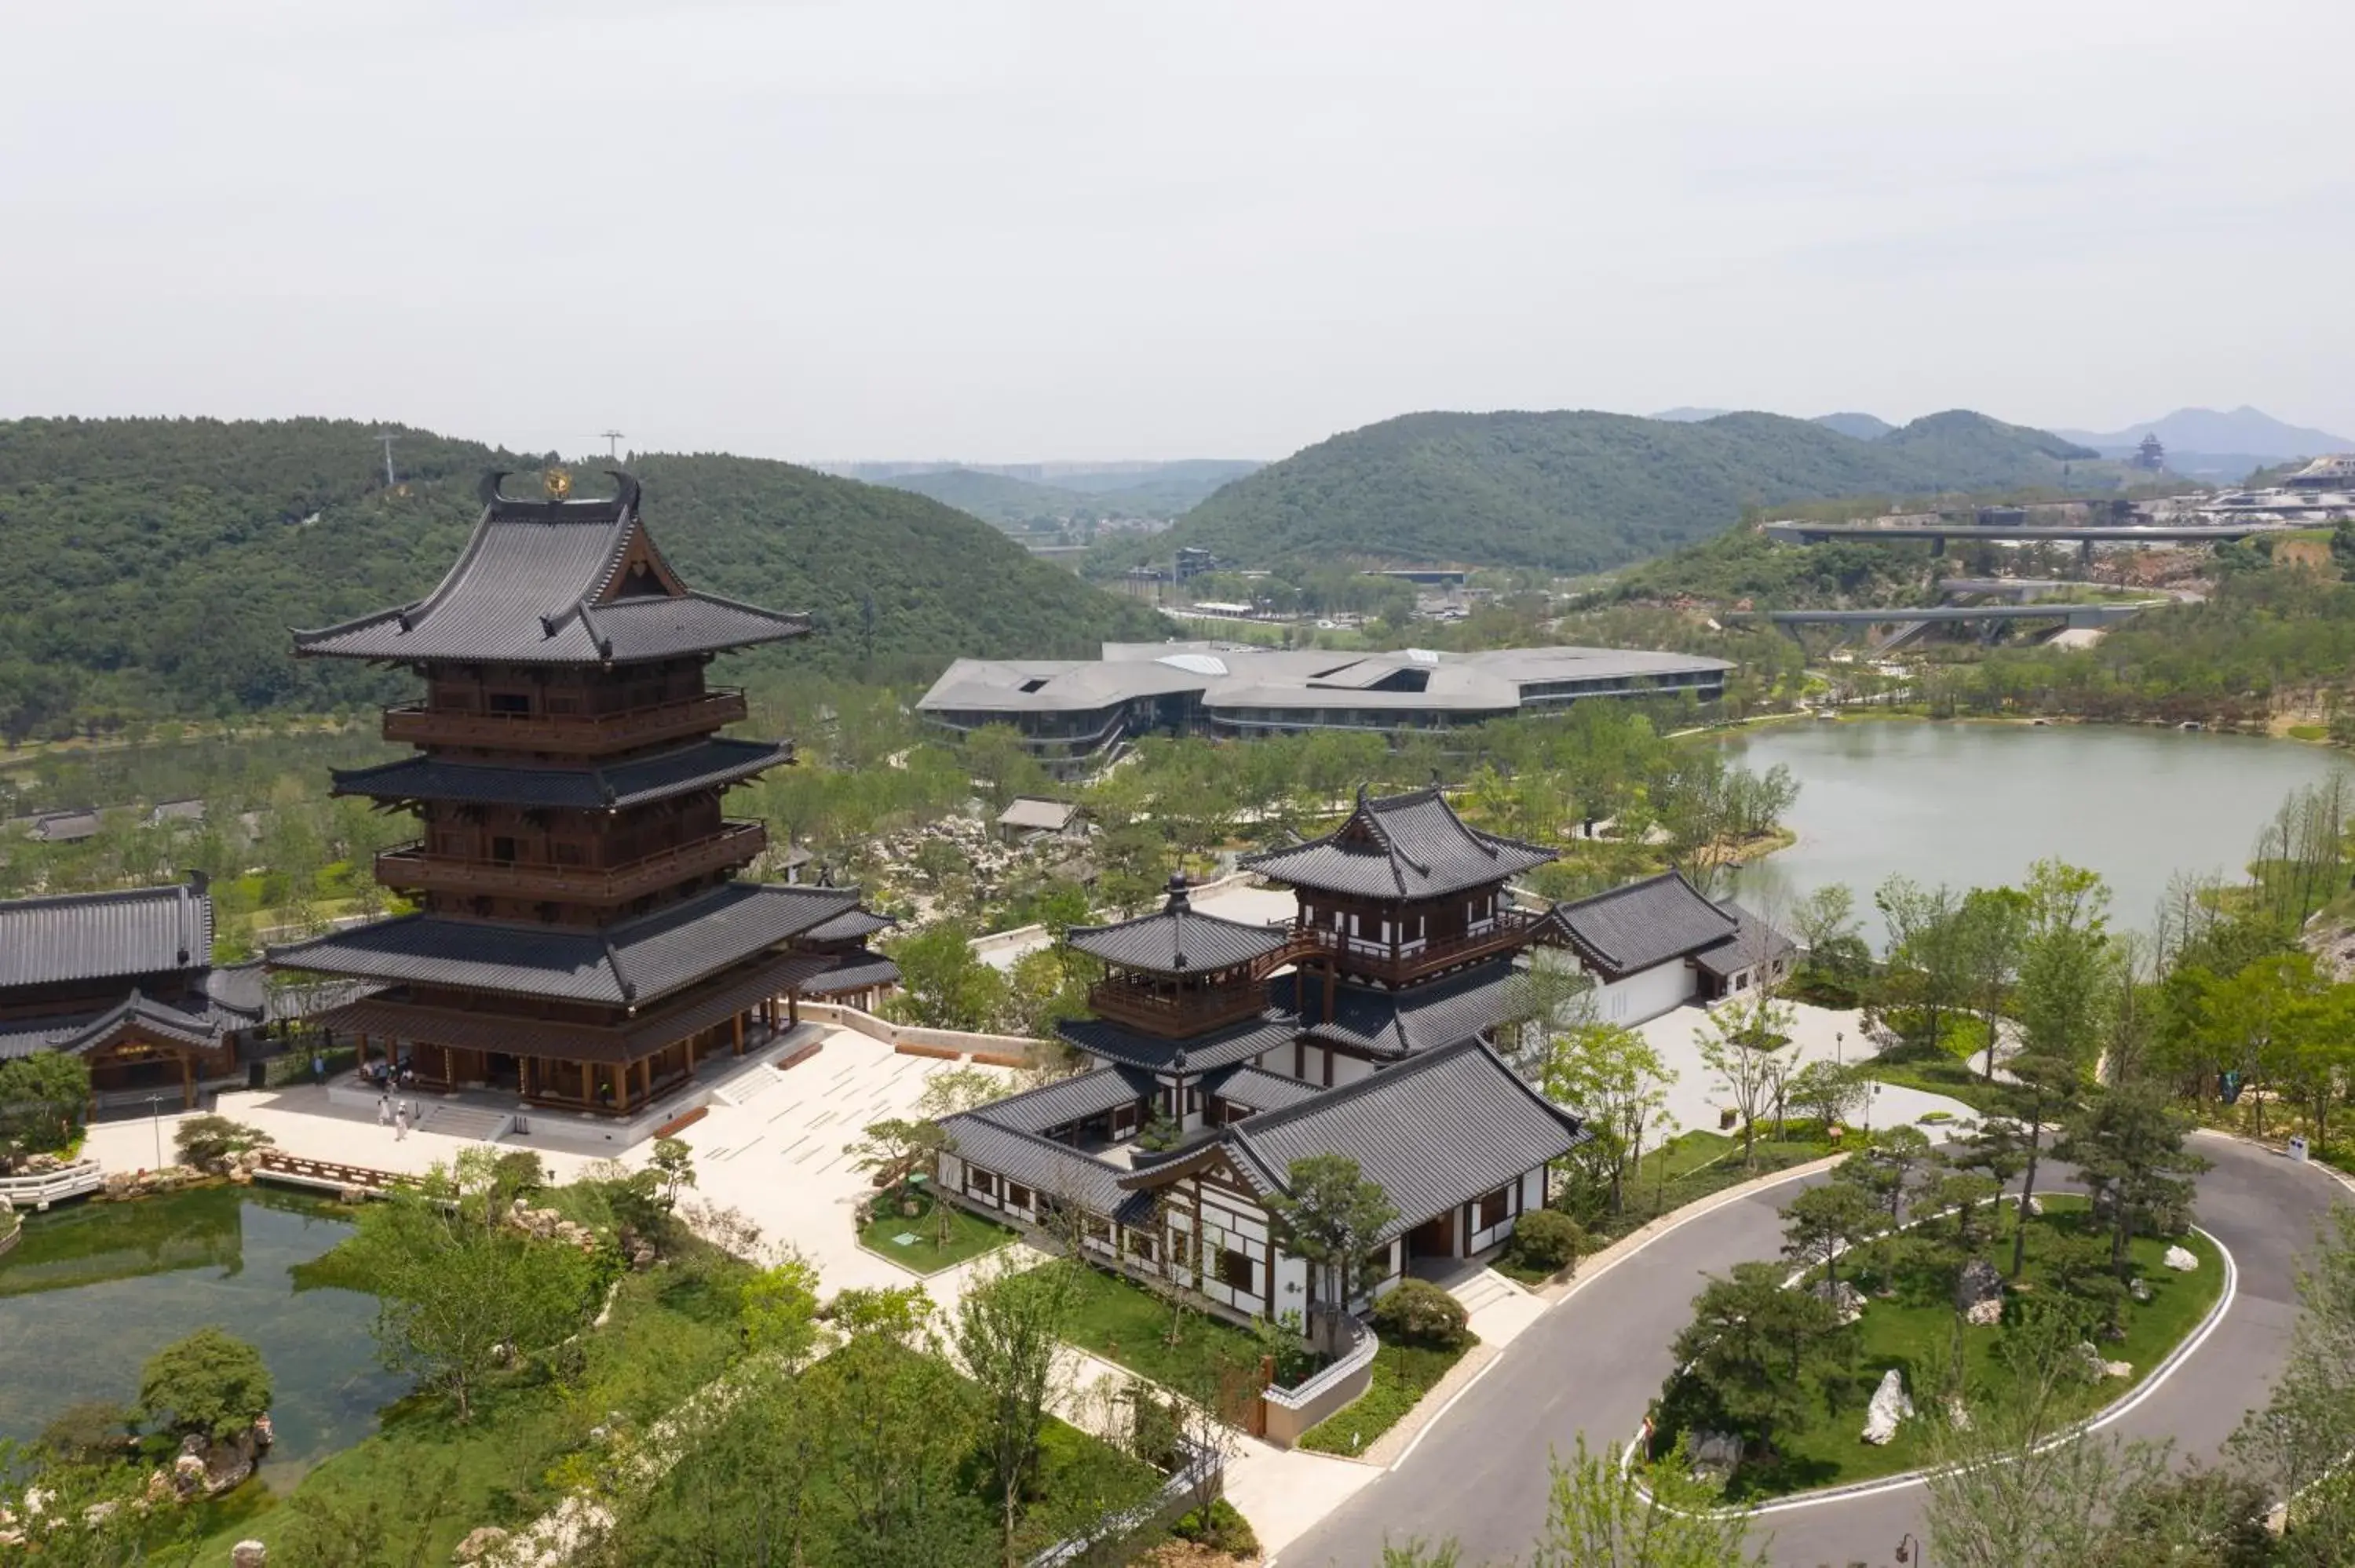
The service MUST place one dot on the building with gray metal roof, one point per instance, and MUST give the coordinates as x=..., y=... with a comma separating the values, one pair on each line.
x=1069, y=711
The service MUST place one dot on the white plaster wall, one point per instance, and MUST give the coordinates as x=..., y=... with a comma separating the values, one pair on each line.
x=1645, y=994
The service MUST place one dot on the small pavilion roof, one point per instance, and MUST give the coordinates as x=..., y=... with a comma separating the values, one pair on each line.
x=1431, y=1016
x=98, y=935
x=134, y=1015
x=555, y=582
x=1225, y=1047
x=1178, y=941
x=1409, y=846
x=1643, y=924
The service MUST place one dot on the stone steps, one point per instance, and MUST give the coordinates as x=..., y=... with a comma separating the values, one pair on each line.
x=1485, y=1289
x=745, y=1087
x=466, y=1121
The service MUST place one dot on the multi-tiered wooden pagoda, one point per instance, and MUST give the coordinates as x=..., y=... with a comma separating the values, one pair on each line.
x=580, y=939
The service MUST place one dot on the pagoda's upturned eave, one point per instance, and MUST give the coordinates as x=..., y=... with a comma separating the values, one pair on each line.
x=487, y=782
x=633, y=964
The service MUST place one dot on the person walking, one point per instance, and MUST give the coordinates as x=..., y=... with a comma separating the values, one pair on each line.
x=384, y=1110
x=401, y=1122
x=318, y=1068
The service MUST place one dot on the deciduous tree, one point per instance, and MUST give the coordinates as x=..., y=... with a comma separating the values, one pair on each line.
x=1329, y=1218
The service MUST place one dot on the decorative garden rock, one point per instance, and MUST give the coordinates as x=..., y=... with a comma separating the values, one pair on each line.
x=2182, y=1259
x=249, y=1554
x=1984, y=1314
x=1846, y=1299
x=1889, y=1405
x=1715, y=1453
x=1978, y=1282
x=484, y=1542
x=2139, y=1289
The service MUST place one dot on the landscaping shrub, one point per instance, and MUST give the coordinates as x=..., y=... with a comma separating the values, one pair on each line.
x=1546, y=1241
x=1422, y=1313
x=1219, y=1528
x=207, y=1383
x=201, y=1139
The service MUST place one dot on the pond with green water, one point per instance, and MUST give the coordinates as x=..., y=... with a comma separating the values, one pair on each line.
x=95, y=1289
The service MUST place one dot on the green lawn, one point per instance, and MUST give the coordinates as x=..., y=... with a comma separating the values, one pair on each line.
x=1956, y=1079
x=1402, y=1374
x=922, y=1251
x=1914, y=1333
x=1123, y=1321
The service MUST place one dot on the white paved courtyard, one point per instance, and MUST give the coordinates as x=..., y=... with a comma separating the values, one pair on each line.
x=1698, y=1097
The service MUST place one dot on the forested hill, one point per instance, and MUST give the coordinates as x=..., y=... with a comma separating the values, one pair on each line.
x=160, y=562
x=1580, y=491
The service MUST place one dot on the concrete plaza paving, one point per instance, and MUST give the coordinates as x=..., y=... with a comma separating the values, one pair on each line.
x=1699, y=1095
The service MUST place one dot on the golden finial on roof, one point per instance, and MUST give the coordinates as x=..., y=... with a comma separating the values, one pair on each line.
x=558, y=482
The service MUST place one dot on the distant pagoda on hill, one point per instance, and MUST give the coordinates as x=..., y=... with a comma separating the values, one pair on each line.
x=581, y=940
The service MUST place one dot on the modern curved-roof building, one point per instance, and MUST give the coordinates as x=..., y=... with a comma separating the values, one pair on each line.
x=1070, y=710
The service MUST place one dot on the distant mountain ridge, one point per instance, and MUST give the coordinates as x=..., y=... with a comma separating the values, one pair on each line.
x=1012, y=494
x=2243, y=430
x=161, y=561
x=1580, y=491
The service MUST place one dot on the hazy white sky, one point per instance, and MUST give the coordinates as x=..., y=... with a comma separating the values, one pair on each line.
x=1007, y=232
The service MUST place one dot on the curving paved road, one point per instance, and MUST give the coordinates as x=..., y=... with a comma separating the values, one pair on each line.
x=1595, y=1361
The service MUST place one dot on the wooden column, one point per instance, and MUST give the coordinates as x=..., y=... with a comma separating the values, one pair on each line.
x=363, y=1051
x=187, y=1082
x=736, y=1023
x=622, y=1088
x=523, y=1076
x=794, y=1006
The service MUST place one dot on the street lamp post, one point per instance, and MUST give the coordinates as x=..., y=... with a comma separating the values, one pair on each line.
x=1903, y=1543
x=1839, y=1047
x=156, y=1121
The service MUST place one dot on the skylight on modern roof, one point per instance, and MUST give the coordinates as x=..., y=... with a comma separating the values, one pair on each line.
x=1194, y=663
x=1423, y=655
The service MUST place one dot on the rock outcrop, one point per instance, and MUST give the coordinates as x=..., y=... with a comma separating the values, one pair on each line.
x=2182, y=1259
x=1978, y=1292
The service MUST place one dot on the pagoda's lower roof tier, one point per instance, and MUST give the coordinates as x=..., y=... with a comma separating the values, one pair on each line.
x=392, y=1015
x=629, y=964
x=705, y=765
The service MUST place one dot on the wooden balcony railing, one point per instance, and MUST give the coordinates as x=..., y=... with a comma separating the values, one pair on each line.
x=410, y=867
x=571, y=734
x=1375, y=960
x=1141, y=1005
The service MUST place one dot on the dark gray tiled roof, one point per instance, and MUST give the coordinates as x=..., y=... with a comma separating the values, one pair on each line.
x=1220, y=1048
x=1754, y=942
x=1068, y=1100
x=635, y=961
x=1178, y=941
x=22, y=1037
x=858, y=970
x=1436, y=1131
x=848, y=925
x=1260, y=1090
x=526, y=590
x=1037, y=1162
x=1427, y=1017
x=98, y=935
x=1400, y=846
x=705, y=765
x=1643, y=924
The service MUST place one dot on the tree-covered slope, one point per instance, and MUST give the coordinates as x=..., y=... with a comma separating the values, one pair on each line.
x=1577, y=491
x=160, y=562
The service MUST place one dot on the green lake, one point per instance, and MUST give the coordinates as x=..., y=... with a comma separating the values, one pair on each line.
x=1972, y=805
x=95, y=1289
